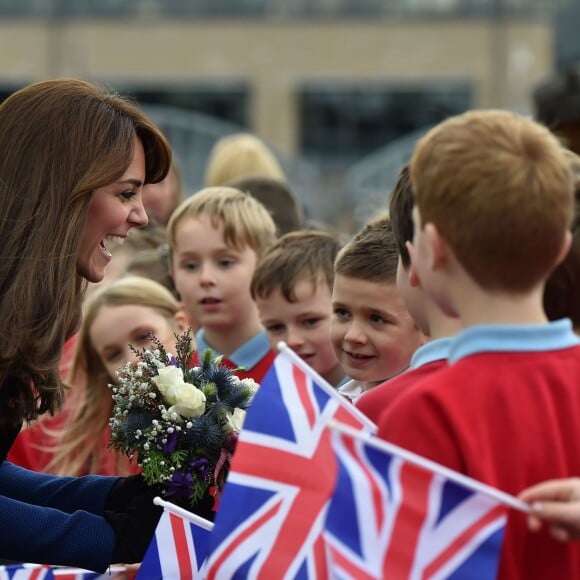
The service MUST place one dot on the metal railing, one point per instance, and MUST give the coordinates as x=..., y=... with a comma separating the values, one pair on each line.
x=369, y=182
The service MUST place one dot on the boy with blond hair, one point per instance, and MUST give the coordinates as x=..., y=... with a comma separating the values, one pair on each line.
x=372, y=332
x=292, y=286
x=216, y=238
x=439, y=328
x=493, y=204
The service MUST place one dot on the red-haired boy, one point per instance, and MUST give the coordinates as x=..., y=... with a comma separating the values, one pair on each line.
x=493, y=204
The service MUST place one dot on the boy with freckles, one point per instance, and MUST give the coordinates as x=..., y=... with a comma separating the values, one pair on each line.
x=216, y=238
x=372, y=332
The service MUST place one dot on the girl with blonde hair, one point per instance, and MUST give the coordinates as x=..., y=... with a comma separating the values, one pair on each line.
x=127, y=312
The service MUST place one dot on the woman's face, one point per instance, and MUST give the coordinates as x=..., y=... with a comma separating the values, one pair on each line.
x=113, y=210
x=116, y=327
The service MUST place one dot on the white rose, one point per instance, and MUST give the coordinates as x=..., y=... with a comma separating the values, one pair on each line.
x=168, y=381
x=235, y=420
x=189, y=401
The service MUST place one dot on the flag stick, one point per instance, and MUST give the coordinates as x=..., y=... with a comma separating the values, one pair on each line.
x=411, y=457
x=74, y=572
x=194, y=518
x=326, y=387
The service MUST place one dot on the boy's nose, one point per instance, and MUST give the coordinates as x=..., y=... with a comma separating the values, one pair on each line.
x=355, y=333
x=206, y=275
x=294, y=339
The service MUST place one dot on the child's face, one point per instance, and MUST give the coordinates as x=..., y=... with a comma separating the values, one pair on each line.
x=304, y=325
x=115, y=327
x=372, y=332
x=212, y=279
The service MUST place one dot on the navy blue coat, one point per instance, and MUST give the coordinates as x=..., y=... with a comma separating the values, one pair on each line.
x=48, y=519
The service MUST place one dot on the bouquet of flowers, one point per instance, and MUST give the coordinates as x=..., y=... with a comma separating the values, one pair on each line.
x=182, y=422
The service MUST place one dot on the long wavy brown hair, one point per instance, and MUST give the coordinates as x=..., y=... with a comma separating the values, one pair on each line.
x=59, y=141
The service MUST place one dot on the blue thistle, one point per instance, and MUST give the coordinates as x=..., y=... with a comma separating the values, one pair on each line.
x=204, y=432
x=136, y=419
x=221, y=377
x=238, y=396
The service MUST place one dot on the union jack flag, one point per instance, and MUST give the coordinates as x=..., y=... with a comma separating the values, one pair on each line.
x=392, y=517
x=42, y=572
x=26, y=572
x=112, y=573
x=271, y=518
x=178, y=548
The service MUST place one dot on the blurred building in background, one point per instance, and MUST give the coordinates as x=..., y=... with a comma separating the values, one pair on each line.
x=339, y=88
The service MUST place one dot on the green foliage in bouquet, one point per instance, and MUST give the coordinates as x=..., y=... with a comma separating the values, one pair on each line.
x=181, y=421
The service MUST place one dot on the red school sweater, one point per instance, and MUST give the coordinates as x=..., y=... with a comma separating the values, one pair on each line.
x=510, y=420
x=378, y=399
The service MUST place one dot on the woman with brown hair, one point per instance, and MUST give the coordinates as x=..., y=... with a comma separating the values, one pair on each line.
x=73, y=162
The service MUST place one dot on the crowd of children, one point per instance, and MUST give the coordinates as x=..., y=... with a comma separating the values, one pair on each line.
x=442, y=320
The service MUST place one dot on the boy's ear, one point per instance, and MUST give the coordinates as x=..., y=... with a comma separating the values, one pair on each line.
x=414, y=281
x=437, y=247
x=565, y=249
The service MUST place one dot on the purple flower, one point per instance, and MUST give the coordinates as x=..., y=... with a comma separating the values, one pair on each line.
x=201, y=465
x=179, y=486
x=171, y=442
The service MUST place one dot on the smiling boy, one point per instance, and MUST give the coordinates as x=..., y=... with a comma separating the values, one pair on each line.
x=372, y=332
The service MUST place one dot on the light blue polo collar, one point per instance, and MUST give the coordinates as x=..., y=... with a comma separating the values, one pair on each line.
x=436, y=349
x=247, y=356
x=513, y=338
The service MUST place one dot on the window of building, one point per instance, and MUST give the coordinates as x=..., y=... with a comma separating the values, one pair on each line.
x=228, y=102
x=341, y=123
